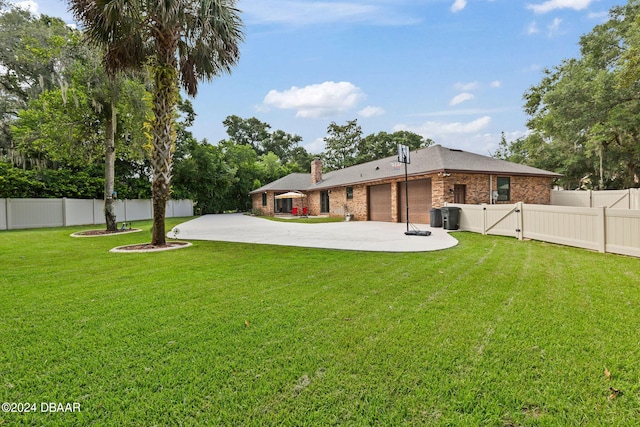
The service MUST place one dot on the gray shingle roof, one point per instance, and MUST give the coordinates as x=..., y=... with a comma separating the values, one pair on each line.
x=423, y=161
x=291, y=182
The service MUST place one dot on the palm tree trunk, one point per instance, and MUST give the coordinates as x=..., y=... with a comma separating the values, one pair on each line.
x=109, y=170
x=165, y=77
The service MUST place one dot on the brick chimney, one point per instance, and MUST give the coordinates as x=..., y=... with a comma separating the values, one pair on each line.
x=316, y=171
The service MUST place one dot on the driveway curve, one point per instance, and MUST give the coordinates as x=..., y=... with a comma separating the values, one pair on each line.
x=352, y=235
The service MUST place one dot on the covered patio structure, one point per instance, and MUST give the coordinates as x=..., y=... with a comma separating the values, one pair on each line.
x=291, y=202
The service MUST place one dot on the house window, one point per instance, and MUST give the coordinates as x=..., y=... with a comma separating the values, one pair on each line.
x=264, y=199
x=349, y=193
x=504, y=189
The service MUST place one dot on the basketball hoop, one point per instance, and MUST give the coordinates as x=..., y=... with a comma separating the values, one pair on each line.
x=396, y=165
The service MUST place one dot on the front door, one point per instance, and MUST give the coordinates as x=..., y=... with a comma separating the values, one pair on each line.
x=324, y=202
x=459, y=192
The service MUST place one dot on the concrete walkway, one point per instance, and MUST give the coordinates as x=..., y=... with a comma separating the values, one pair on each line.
x=352, y=235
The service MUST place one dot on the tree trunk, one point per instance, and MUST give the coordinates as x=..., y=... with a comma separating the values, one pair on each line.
x=601, y=155
x=109, y=171
x=166, y=92
x=158, y=237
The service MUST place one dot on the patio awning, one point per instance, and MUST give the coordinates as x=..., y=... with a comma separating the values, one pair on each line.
x=291, y=195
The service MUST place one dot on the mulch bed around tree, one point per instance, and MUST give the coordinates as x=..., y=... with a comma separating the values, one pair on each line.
x=96, y=233
x=148, y=247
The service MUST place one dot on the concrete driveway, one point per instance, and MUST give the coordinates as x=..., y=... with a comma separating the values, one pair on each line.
x=352, y=235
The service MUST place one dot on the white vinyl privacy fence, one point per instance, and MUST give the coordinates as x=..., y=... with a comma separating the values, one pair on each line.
x=600, y=229
x=36, y=213
x=619, y=199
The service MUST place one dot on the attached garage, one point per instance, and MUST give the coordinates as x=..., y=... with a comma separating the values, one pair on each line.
x=419, y=201
x=380, y=202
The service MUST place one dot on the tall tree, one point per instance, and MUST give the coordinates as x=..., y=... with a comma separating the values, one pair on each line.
x=35, y=52
x=183, y=41
x=78, y=125
x=341, y=144
x=383, y=144
x=251, y=132
x=585, y=115
x=203, y=175
x=243, y=161
x=257, y=135
x=111, y=94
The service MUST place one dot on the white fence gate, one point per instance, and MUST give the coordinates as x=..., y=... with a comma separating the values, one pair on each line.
x=600, y=229
x=36, y=213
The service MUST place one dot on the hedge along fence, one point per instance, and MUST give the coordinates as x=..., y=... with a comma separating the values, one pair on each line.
x=600, y=229
x=36, y=213
x=619, y=199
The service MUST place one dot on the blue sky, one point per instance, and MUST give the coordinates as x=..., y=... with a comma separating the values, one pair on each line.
x=454, y=71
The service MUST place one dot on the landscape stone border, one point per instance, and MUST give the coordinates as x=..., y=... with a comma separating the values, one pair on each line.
x=104, y=233
x=148, y=247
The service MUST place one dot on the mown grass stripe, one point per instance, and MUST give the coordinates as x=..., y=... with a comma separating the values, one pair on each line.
x=491, y=332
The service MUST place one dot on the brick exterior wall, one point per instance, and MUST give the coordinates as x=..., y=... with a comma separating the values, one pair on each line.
x=477, y=188
x=256, y=204
x=533, y=190
x=339, y=205
x=313, y=203
x=526, y=189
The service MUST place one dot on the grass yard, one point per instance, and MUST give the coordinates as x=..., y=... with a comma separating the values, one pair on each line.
x=492, y=332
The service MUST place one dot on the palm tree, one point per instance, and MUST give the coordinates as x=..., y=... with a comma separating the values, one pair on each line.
x=183, y=42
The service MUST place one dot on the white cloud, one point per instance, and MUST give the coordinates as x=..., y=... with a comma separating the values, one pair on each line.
x=316, y=147
x=472, y=136
x=458, y=5
x=535, y=68
x=533, y=28
x=28, y=5
x=319, y=100
x=371, y=111
x=550, y=5
x=554, y=27
x=442, y=130
x=466, y=87
x=496, y=84
x=600, y=16
x=459, y=99
x=306, y=12
x=467, y=112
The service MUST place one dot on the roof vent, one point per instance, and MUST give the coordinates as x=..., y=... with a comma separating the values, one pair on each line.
x=455, y=149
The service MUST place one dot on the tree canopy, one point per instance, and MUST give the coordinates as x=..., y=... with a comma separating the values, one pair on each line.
x=585, y=113
x=183, y=42
x=345, y=145
x=35, y=56
x=55, y=135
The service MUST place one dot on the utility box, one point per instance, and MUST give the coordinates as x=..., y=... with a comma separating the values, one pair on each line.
x=450, y=218
x=435, y=217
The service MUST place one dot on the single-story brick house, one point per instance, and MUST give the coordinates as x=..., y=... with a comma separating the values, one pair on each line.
x=376, y=190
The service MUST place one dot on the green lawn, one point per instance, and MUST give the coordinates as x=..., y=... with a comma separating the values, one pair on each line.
x=492, y=332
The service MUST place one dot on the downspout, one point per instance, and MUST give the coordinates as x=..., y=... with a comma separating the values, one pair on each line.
x=490, y=189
